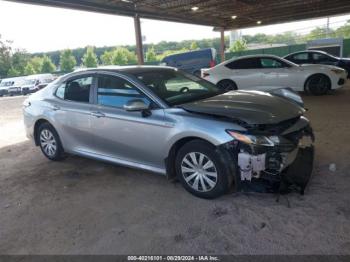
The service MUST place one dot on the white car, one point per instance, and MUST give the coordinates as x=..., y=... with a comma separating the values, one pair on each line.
x=268, y=72
x=34, y=83
x=11, y=86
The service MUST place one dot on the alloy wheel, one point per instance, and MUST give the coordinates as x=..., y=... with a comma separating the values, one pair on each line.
x=199, y=171
x=48, y=142
x=318, y=85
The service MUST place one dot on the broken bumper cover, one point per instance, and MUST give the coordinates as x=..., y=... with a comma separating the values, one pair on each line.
x=279, y=167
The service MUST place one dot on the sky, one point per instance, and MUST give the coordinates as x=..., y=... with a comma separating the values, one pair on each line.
x=41, y=29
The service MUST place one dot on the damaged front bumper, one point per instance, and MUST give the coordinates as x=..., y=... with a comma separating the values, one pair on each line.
x=279, y=167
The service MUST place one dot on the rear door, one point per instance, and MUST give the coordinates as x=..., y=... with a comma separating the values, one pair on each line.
x=71, y=112
x=124, y=135
x=245, y=73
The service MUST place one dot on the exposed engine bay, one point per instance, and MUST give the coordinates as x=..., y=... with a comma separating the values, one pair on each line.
x=280, y=163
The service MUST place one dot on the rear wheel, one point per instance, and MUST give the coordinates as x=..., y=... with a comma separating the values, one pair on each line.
x=49, y=142
x=227, y=85
x=318, y=84
x=200, y=170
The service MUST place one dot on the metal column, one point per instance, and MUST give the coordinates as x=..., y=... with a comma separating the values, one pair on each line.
x=138, y=34
x=222, y=44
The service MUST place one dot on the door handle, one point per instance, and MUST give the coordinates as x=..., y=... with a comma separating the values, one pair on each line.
x=55, y=107
x=97, y=114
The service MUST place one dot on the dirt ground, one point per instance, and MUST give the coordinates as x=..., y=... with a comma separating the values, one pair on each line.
x=82, y=206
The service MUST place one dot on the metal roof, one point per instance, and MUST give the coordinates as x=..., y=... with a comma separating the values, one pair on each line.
x=217, y=13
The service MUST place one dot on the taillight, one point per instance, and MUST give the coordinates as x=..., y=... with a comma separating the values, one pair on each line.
x=212, y=63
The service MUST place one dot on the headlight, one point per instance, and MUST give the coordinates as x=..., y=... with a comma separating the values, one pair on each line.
x=250, y=139
x=289, y=94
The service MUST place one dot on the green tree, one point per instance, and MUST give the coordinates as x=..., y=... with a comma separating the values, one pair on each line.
x=13, y=72
x=107, y=58
x=47, y=65
x=37, y=63
x=132, y=58
x=5, y=57
x=118, y=56
x=194, y=46
x=151, y=55
x=343, y=31
x=239, y=45
x=90, y=58
x=19, y=61
x=319, y=32
x=67, y=61
x=29, y=69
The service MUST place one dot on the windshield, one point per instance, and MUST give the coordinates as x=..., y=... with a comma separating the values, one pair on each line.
x=175, y=87
x=30, y=82
x=7, y=83
x=46, y=81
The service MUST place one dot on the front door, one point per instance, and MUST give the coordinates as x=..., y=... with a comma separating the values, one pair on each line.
x=275, y=74
x=129, y=136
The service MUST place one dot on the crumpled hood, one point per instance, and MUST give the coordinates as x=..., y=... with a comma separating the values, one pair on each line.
x=252, y=107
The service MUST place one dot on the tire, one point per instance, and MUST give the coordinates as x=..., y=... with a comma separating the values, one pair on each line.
x=208, y=162
x=318, y=84
x=49, y=142
x=227, y=85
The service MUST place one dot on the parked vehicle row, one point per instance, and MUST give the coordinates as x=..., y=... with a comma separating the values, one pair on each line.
x=24, y=85
x=175, y=124
x=11, y=86
x=268, y=72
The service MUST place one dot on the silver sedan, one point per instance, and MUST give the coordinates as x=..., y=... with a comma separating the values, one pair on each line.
x=175, y=124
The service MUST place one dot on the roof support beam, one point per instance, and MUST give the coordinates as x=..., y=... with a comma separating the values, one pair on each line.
x=138, y=35
x=222, y=44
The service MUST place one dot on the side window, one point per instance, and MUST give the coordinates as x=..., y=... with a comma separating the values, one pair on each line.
x=270, y=63
x=116, y=92
x=322, y=58
x=77, y=90
x=301, y=57
x=60, y=91
x=247, y=63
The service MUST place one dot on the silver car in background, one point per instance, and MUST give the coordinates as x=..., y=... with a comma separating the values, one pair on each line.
x=175, y=124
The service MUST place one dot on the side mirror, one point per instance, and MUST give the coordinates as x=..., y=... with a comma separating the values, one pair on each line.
x=135, y=105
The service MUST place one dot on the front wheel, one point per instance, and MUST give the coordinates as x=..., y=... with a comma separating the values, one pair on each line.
x=200, y=170
x=50, y=143
x=318, y=84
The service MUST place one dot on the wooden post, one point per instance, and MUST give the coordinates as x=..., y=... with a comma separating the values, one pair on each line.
x=222, y=44
x=138, y=34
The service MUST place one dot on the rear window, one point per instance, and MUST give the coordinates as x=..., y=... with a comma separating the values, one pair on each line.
x=247, y=63
x=77, y=90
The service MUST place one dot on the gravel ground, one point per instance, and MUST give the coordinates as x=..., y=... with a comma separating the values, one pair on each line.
x=82, y=206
